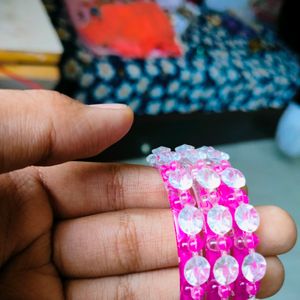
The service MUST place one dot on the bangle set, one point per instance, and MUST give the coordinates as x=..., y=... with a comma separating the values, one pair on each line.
x=214, y=224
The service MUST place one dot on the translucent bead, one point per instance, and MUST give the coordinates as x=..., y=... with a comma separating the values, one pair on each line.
x=151, y=159
x=247, y=218
x=249, y=241
x=206, y=149
x=197, y=270
x=202, y=155
x=190, y=220
x=183, y=148
x=254, y=267
x=168, y=157
x=233, y=178
x=208, y=178
x=180, y=179
x=160, y=150
x=193, y=156
x=217, y=155
x=219, y=219
x=220, y=243
x=226, y=270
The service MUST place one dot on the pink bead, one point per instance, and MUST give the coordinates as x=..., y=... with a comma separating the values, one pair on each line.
x=212, y=244
x=251, y=241
x=239, y=242
x=224, y=292
x=218, y=168
x=251, y=289
x=196, y=244
x=225, y=164
x=177, y=204
x=224, y=243
x=197, y=293
x=186, y=198
x=174, y=165
x=200, y=164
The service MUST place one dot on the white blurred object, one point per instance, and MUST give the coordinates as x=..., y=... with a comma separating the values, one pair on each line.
x=288, y=131
x=26, y=27
x=241, y=8
x=170, y=5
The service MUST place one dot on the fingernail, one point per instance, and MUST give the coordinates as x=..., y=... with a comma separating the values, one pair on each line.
x=110, y=106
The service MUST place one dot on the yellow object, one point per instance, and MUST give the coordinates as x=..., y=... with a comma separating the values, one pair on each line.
x=33, y=72
x=28, y=58
x=21, y=76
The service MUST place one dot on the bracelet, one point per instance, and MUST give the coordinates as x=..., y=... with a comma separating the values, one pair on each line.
x=214, y=223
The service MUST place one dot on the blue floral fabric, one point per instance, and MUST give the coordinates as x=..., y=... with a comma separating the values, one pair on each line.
x=227, y=66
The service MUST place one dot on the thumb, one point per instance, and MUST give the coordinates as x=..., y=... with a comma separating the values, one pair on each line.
x=43, y=128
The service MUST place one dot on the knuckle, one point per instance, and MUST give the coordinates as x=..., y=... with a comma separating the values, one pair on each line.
x=115, y=188
x=127, y=245
x=124, y=290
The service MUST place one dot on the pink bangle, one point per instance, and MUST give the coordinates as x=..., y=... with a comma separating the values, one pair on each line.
x=214, y=223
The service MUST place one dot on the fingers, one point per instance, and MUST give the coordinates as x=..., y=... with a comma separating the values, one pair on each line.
x=106, y=187
x=273, y=279
x=116, y=243
x=138, y=240
x=277, y=231
x=43, y=127
x=161, y=284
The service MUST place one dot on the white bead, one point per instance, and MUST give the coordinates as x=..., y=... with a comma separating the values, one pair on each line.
x=201, y=154
x=197, y=270
x=160, y=150
x=190, y=220
x=151, y=159
x=206, y=149
x=193, y=156
x=184, y=148
x=217, y=155
x=226, y=269
x=180, y=179
x=208, y=178
x=219, y=219
x=233, y=178
x=254, y=267
x=247, y=218
x=168, y=157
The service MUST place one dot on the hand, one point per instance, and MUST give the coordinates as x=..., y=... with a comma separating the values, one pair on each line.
x=85, y=230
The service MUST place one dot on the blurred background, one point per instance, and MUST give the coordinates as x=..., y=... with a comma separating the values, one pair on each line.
x=215, y=72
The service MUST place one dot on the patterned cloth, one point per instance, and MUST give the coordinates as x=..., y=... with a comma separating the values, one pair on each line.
x=226, y=66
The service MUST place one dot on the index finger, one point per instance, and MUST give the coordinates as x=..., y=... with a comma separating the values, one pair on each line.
x=43, y=128
x=80, y=188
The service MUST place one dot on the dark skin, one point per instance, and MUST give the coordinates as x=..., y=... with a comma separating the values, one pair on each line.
x=76, y=230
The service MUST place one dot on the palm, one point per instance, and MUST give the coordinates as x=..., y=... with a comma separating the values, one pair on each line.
x=27, y=270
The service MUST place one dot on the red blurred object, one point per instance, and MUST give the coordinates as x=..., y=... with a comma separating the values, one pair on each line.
x=132, y=30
